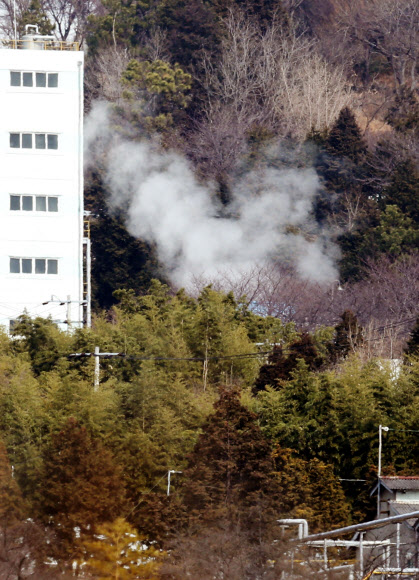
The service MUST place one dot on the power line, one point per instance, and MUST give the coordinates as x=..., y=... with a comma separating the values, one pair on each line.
x=287, y=350
x=162, y=358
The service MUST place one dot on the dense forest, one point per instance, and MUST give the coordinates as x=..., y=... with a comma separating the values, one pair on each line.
x=252, y=183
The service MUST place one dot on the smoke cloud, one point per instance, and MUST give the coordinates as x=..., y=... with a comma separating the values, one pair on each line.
x=168, y=206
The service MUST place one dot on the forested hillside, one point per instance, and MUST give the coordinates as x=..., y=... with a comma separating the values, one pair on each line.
x=252, y=178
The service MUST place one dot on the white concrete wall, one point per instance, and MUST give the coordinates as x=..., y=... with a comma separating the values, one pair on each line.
x=58, y=173
x=408, y=496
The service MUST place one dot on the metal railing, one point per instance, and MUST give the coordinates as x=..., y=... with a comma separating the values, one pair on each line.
x=40, y=44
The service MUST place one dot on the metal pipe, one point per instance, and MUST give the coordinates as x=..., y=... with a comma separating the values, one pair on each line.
x=302, y=526
x=398, y=545
x=88, y=283
x=361, y=554
x=364, y=526
x=97, y=368
x=349, y=543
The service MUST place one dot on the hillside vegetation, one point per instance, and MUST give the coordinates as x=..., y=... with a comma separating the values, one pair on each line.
x=260, y=390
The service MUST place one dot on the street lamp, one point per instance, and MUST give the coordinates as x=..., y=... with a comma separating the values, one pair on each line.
x=380, y=444
x=168, y=479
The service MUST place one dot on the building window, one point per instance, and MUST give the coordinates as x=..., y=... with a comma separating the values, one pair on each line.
x=29, y=140
x=33, y=202
x=33, y=265
x=33, y=79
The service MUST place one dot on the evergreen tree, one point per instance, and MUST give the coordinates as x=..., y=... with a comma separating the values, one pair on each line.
x=279, y=368
x=24, y=542
x=228, y=477
x=264, y=10
x=121, y=23
x=403, y=190
x=36, y=15
x=396, y=233
x=346, y=200
x=80, y=485
x=412, y=346
x=191, y=27
x=345, y=139
x=158, y=92
x=42, y=340
x=118, y=552
x=119, y=261
x=348, y=336
x=12, y=507
x=310, y=490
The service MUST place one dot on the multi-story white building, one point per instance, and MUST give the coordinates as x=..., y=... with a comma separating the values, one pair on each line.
x=41, y=181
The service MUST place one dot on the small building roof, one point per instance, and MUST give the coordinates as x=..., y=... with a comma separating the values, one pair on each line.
x=401, y=483
x=400, y=508
x=396, y=483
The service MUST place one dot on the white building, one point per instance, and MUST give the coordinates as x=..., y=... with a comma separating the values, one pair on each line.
x=41, y=182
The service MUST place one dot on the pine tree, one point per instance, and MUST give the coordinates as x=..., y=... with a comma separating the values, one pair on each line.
x=80, y=485
x=36, y=15
x=345, y=139
x=118, y=552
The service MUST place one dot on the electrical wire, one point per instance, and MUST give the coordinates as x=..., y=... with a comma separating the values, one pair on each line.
x=162, y=358
x=393, y=324
x=146, y=493
x=405, y=430
x=287, y=350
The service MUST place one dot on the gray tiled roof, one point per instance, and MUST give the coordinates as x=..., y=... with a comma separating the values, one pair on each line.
x=406, y=483
x=400, y=508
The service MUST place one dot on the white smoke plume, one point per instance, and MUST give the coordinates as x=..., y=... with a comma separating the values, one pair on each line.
x=169, y=207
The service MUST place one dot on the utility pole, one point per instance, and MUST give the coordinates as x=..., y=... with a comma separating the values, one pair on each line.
x=68, y=302
x=380, y=446
x=97, y=354
x=168, y=479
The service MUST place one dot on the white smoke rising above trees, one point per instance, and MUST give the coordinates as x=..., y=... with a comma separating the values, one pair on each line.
x=167, y=206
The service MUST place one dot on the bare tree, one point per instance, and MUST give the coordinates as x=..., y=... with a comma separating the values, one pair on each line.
x=385, y=301
x=268, y=78
x=389, y=28
x=7, y=15
x=69, y=16
x=103, y=78
x=274, y=77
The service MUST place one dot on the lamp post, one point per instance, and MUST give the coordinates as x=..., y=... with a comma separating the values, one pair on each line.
x=380, y=446
x=168, y=479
